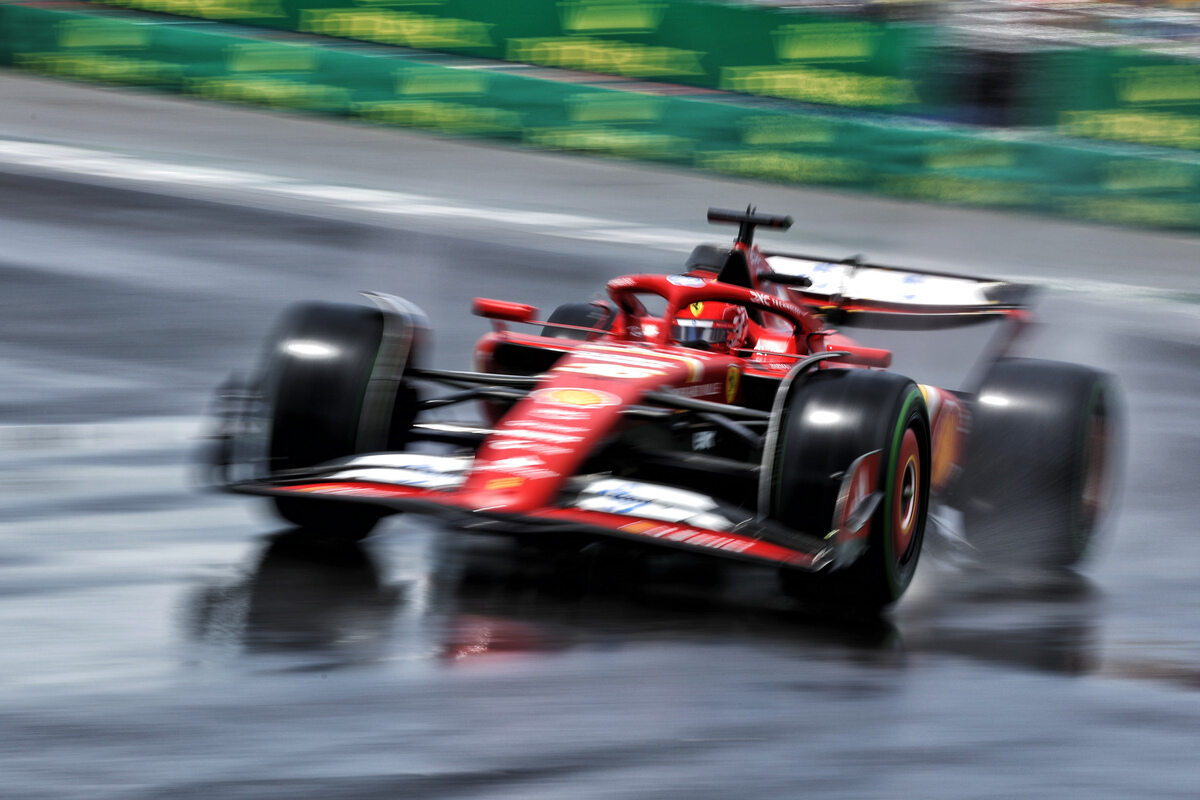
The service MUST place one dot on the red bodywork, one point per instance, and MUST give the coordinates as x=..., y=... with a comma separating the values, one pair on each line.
x=535, y=445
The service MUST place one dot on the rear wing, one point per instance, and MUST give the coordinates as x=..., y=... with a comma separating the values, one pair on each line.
x=852, y=293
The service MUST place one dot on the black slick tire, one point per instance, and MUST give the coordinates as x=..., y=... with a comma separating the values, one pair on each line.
x=1041, y=463
x=317, y=392
x=832, y=418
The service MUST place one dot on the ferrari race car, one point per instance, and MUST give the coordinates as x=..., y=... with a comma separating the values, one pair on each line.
x=720, y=410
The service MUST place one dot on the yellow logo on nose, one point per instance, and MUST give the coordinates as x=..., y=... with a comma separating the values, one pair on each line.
x=696, y=308
x=578, y=397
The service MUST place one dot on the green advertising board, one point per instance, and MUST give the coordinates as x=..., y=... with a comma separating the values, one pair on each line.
x=1123, y=95
x=754, y=49
x=888, y=156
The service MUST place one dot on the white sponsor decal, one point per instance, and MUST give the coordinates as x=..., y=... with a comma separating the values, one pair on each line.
x=769, y=345
x=528, y=466
x=685, y=280
x=614, y=487
x=400, y=469
x=674, y=533
x=651, y=501
x=441, y=465
x=544, y=426
x=633, y=360
x=618, y=371
x=515, y=462
x=699, y=391
x=401, y=477
x=527, y=444
x=551, y=412
x=512, y=444
x=440, y=426
x=541, y=436
x=621, y=355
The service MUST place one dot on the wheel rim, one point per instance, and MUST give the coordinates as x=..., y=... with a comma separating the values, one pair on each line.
x=907, y=499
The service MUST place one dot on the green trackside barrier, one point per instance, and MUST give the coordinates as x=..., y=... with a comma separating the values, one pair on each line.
x=887, y=156
x=1121, y=95
x=755, y=49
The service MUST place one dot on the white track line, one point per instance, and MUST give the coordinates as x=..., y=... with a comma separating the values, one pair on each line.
x=80, y=438
x=78, y=161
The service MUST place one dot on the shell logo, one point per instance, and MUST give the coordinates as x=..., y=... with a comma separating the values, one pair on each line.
x=585, y=398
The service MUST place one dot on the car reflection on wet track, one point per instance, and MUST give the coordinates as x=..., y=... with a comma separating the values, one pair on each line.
x=483, y=599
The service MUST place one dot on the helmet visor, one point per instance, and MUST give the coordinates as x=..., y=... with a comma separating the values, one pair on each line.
x=689, y=331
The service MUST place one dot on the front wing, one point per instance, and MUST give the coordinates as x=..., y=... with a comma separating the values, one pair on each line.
x=653, y=524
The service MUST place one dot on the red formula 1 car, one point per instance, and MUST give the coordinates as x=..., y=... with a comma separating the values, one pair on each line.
x=717, y=410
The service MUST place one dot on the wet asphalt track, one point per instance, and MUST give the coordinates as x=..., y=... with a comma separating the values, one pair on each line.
x=159, y=641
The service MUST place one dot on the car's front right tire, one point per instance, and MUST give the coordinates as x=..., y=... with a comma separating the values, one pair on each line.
x=829, y=420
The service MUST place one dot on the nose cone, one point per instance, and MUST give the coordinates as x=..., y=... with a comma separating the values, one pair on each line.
x=543, y=440
x=546, y=436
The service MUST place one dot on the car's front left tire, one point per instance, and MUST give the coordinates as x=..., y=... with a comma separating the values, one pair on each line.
x=333, y=386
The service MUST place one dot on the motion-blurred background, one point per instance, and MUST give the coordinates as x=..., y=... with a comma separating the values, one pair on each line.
x=175, y=172
x=1092, y=109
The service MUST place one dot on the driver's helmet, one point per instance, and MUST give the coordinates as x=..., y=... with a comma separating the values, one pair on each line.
x=718, y=326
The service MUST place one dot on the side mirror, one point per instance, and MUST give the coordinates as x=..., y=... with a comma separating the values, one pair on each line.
x=803, y=281
x=503, y=310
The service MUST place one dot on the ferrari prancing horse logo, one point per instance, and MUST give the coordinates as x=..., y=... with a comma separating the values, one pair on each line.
x=697, y=309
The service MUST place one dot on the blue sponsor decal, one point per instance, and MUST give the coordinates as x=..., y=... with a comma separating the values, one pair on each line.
x=913, y=282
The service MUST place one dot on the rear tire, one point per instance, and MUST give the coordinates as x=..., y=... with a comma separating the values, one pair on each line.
x=326, y=398
x=1040, y=464
x=833, y=417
